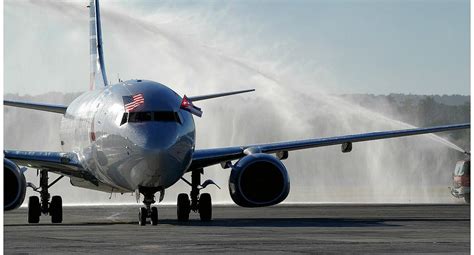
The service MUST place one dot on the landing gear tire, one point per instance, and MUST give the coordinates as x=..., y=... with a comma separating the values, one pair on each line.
x=142, y=215
x=467, y=198
x=205, y=207
x=56, y=209
x=154, y=216
x=184, y=207
x=34, y=209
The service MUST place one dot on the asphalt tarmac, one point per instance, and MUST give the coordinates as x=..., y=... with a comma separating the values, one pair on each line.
x=280, y=229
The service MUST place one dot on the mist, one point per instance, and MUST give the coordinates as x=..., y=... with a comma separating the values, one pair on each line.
x=184, y=49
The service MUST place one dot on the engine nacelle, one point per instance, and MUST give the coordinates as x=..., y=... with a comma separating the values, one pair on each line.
x=14, y=184
x=258, y=180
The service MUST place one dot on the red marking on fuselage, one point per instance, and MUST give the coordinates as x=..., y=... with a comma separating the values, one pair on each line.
x=92, y=133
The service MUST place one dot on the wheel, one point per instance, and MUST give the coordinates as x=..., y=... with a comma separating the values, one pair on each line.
x=205, y=207
x=34, y=209
x=142, y=215
x=467, y=198
x=184, y=207
x=154, y=216
x=56, y=209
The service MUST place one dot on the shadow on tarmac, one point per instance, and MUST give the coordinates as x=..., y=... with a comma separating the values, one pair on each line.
x=256, y=222
x=283, y=222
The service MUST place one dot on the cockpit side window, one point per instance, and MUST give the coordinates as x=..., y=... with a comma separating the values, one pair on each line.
x=164, y=116
x=124, y=118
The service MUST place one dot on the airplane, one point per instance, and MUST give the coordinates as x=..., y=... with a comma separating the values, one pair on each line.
x=139, y=136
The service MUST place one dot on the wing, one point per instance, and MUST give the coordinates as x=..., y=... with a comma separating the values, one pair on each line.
x=56, y=162
x=37, y=106
x=205, y=97
x=207, y=157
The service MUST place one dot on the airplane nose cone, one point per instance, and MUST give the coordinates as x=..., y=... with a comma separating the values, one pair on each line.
x=153, y=137
x=163, y=156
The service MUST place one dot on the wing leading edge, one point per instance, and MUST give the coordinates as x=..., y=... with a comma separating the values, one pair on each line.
x=37, y=106
x=208, y=157
x=210, y=96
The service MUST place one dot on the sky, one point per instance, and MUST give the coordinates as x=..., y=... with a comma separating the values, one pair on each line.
x=379, y=47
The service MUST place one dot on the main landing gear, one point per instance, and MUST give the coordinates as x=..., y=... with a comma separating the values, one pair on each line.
x=198, y=203
x=148, y=211
x=37, y=207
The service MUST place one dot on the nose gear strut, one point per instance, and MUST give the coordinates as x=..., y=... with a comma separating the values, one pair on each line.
x=148, y=211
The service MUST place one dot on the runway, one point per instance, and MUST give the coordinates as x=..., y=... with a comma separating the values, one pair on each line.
x=280, y=229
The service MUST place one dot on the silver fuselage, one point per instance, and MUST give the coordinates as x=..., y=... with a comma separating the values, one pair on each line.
x=129, y=155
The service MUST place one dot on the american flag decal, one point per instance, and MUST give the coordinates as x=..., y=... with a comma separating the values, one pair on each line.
x=132, y=102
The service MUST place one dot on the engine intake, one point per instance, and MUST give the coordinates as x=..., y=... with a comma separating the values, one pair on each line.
x=258, y=180
x=14, y=186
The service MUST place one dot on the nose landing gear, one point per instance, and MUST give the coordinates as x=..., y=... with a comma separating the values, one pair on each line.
x=198, y=203
x=36, y=208
x=148, y=211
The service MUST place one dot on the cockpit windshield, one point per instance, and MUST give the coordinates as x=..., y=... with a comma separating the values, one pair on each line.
x=150, y=116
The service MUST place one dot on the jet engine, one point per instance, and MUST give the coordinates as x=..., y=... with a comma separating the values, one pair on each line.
x=14, y=186
x=258, y=180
